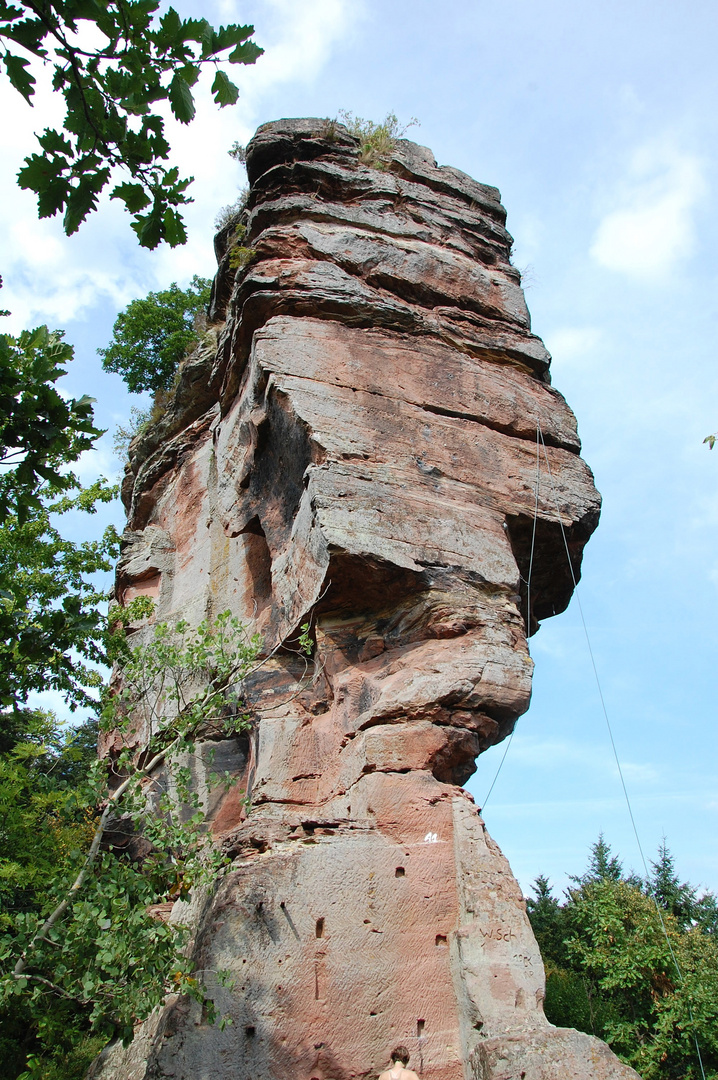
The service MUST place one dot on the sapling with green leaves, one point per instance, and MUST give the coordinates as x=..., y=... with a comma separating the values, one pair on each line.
x=93, y=942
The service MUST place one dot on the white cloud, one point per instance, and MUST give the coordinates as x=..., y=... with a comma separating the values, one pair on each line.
x=651, y=229
x=551, y=753
x=98, y=462
x=46, y=276
x=571, y=343
x=584, y=758
x=53, y=701
x=637, y=773
x=297, y=38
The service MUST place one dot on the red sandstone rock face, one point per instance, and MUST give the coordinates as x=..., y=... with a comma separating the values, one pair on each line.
x=360, y=452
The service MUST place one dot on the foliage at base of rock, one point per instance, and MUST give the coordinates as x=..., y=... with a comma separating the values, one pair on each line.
x=82, y=950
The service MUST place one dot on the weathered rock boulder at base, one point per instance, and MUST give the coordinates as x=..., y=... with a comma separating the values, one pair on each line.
x=356, y=448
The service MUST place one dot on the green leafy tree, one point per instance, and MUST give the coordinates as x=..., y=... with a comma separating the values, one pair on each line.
x=42, y=819
x=82, y=952
x=662, y=984
x=634, y=963
x=51, y=623
x=679, y=898
x=705, y=914
x=40, y=430
x=602, y=865
x=547, y=919
x=676, y=897
x=151, y=336
x=51, y=626
x=111, y=89
x=571, y=1000
x=40, y=813
x=52, y=632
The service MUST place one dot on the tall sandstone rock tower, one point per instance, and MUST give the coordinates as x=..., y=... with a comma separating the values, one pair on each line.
x=356, y=449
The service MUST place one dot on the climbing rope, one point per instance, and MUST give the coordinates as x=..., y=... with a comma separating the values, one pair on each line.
x=496, y=775
x=612, y=740
x=541, y=444
x=528, y=595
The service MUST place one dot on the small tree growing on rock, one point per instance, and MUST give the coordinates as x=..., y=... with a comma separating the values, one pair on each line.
x=89, y=952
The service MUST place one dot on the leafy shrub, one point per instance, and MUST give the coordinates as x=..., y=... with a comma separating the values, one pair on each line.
x=239, y=255
x=233, y=211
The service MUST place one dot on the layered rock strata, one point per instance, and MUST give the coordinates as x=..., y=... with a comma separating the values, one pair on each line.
x=357, y=450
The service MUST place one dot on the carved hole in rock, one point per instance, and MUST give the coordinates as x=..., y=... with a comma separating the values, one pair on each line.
x=319, y=928
x=250, y=1032
x=420, y=1025
x=399, y=872
x=259, y=562
x=441, y=940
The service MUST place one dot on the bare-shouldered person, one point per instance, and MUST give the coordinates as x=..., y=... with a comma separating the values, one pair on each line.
x=398, y=1070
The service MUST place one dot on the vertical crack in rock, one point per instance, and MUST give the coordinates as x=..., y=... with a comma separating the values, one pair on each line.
x=354, y=447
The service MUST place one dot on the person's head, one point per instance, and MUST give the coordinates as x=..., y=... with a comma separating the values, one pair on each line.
x=400, y=1053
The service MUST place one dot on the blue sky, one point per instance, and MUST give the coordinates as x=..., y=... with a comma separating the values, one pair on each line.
x=598, y=124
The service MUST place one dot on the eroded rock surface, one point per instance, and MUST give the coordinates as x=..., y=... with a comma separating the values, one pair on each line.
x=356, y=449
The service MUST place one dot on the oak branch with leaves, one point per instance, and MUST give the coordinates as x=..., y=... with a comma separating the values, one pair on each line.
x=112, y=127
